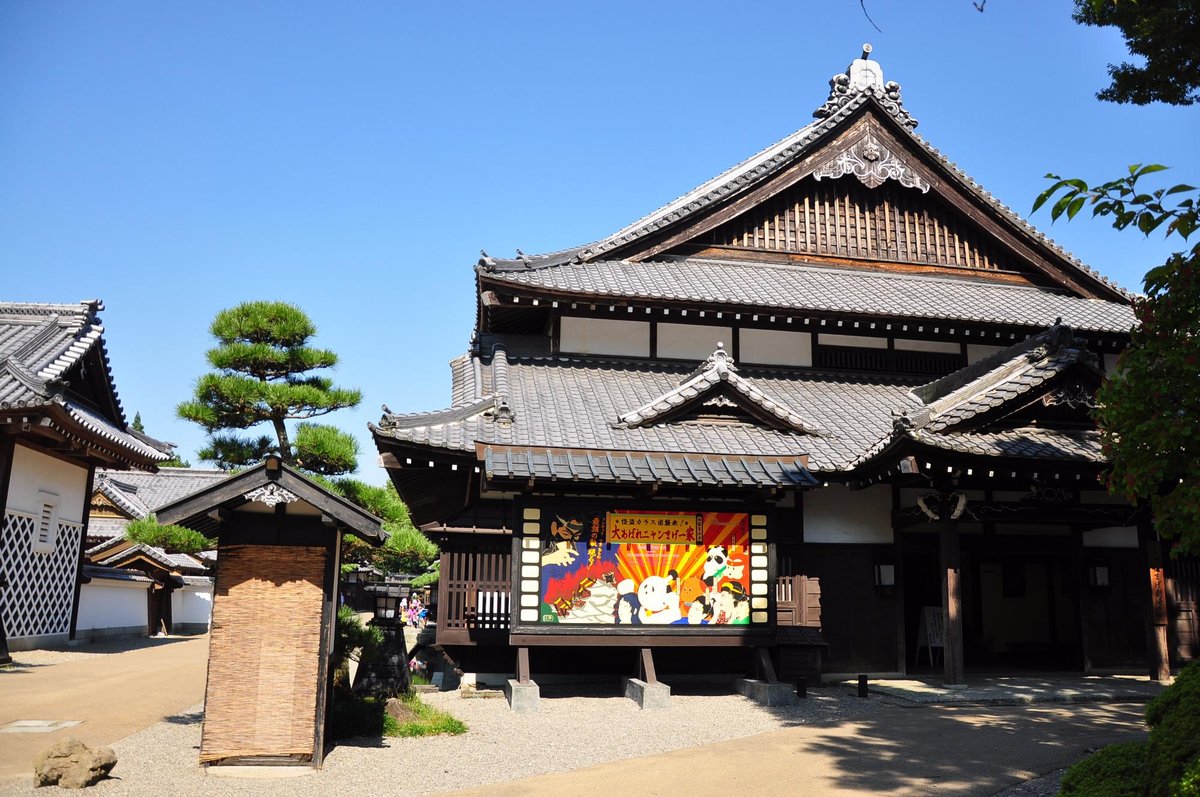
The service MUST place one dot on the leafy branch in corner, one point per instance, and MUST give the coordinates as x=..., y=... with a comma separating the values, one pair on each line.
x=1124, y=202
x=1149, y=407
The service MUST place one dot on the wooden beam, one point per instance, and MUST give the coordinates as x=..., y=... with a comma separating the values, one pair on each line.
x=766, y=667
x=952, y=653
x=522, y=665
x=646, y=666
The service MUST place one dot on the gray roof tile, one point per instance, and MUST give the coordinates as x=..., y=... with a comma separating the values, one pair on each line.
x=819, y=289
x=576, y=402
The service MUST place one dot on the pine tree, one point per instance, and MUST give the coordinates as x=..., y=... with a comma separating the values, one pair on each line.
x=137, y=423
x=264, y=375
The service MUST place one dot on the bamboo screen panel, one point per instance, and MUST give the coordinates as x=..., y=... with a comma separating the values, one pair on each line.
x=264, y=652
x=844, y=218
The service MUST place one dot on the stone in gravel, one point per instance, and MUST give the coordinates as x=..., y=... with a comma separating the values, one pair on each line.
x=400, y=710
x=72, y=764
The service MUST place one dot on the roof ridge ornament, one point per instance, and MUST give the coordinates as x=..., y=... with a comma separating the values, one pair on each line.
x=864, y=76
x=719, y=361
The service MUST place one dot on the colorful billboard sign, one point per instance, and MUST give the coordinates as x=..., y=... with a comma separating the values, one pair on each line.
x=630, y=569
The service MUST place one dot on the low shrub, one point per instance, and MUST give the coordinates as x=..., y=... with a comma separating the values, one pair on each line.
x=1173, y=750
x=1118, y=770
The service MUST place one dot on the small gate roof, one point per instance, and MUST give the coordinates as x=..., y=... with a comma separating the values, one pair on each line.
x=270, y=482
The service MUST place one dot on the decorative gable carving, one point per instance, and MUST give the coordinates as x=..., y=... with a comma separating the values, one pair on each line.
x=872, y=163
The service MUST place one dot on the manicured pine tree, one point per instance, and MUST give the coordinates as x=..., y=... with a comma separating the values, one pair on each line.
x=265, y=375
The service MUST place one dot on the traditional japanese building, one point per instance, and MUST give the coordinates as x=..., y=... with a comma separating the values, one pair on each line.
x=60, y=419
x=833, y=404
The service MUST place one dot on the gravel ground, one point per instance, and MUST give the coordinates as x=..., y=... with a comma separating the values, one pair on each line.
x=572, y=729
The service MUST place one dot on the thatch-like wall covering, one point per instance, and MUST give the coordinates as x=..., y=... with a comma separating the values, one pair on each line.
x=264, y=652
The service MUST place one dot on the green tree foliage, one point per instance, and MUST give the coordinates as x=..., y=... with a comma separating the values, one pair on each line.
x=172, y=539
x=1149, y=411
x=137, y=423
x=407, y=549
x=1166, y=36
x=265, y=374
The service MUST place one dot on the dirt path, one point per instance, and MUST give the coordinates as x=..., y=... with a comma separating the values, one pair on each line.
x=115, y=692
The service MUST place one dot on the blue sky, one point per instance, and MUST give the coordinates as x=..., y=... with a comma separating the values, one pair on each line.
x=175, y=159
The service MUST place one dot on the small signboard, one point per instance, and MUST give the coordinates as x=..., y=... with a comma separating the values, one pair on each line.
x=675, y=528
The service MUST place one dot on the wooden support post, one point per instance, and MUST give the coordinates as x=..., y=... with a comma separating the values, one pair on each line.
x=646, y=666
x=898, y=561
x=952, y=653
x=1156, y=648
x=766, y=666
x=522, y=665
x=1079, y=573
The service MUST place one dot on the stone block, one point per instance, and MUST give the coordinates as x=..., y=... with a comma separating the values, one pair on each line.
x=766, y=693
x=522, y=698
x=646, y=695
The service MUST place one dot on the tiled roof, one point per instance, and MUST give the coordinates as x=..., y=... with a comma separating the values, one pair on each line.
x=122, y=552
x=116, y=574
x=1032, y=442
x=576, y=402
x=141, y=493
x=39, y=343
x=714, y=372
x=1001, y=378
x=799, y=289
x=762, y=166
x=694, y=470
x=937, y=410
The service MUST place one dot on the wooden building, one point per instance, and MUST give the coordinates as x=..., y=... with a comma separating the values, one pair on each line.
x=180, y=597
x=833, y=404
x=60, y=419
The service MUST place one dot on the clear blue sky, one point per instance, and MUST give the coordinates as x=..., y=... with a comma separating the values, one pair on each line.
x=174, y=159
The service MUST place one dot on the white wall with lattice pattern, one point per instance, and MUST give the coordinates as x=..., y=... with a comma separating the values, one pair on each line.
x=39, y=547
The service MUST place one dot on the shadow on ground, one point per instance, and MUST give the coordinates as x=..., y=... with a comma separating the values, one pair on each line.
x=925, y=746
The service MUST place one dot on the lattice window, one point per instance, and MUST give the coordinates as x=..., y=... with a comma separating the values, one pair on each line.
x=41, y=586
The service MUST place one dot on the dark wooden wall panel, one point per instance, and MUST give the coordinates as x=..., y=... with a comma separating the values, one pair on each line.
x=844, y=218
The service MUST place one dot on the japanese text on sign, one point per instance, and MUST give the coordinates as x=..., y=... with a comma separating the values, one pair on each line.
x=661, y=529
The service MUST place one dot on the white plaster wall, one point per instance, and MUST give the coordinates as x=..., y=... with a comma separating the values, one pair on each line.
x=939, y=346
x=34, y=471
x=604, y=336
x=112, y=604
x=1110, y=363
x=977, y=351
x=839, y=514
x=191, y=604
x=692, y=341
x=1111, y=537
x=857, y=341
x=775, y=347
